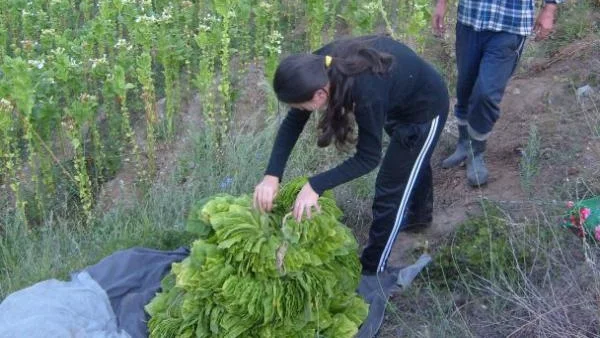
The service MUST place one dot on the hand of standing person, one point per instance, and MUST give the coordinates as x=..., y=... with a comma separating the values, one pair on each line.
x=437, y=20
x=265, y=192
x=545, y=22
x=306, y=200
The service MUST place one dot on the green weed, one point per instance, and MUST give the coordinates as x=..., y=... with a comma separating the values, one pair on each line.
x=530, y=158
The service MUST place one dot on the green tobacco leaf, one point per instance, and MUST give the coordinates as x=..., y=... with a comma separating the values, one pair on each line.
x=252, y=274
x=341, y=327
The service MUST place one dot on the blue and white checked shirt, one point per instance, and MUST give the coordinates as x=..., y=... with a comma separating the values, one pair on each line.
x=512, y=16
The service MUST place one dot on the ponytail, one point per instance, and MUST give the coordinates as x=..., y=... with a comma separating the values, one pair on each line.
x=299, y=76
x=337, y=123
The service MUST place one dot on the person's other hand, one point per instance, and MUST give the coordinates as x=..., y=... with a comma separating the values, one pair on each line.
x=265, y=192
x=544, y=22
x=306, y=200
x=437, y=20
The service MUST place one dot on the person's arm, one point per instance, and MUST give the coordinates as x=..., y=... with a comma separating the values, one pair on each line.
x=287, y=136
x=437, y=20
x=545, y=20
x=369, y=119
x=286, y=139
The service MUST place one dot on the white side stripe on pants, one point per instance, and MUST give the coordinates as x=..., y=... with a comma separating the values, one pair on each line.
x=407, y=190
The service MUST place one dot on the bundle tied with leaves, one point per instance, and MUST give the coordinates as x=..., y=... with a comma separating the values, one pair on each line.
x=253, y=274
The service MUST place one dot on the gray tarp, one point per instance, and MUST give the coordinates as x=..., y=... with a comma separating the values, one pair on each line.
x=131, y=279
x=104, y=300
x=58, y=309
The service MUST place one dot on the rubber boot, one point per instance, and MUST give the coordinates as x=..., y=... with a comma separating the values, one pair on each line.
x=477, y=173
x=461, y=152
x=376, y=291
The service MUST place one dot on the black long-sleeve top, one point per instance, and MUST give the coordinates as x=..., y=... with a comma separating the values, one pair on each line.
x=412, y=92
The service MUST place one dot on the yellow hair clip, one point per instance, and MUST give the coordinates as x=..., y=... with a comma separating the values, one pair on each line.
x=328, y=60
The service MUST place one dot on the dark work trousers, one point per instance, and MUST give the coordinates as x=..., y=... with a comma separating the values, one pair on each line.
x=485, y=60
x=403, y=189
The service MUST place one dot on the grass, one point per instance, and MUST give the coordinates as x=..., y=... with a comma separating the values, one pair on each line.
x=530, y=159
x=530, y=279
x=60, y=246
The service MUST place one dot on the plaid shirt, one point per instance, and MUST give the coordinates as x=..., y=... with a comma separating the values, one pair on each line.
x=512, y=16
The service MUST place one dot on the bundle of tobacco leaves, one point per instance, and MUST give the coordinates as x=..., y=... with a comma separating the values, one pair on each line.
x=253, y=274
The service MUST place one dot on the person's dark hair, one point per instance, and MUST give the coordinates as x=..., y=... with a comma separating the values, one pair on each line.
x=299, y=76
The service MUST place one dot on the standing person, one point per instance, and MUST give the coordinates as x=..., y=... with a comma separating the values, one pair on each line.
x=490, y=35
x=381, y=84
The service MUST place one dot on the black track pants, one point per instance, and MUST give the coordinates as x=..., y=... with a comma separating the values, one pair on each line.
x=403, y=190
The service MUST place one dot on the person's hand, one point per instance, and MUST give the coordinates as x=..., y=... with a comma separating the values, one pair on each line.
x=437, y=20
x=305, y=201
x=544, y=22
x=265, y=192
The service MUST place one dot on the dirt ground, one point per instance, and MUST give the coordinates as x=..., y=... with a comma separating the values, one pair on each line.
x=542, y=94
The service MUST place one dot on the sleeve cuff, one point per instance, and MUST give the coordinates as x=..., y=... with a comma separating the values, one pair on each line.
x=315, y=186
x=271, y=173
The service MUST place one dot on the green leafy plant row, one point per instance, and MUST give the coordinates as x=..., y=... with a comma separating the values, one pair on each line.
x=80, y=80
